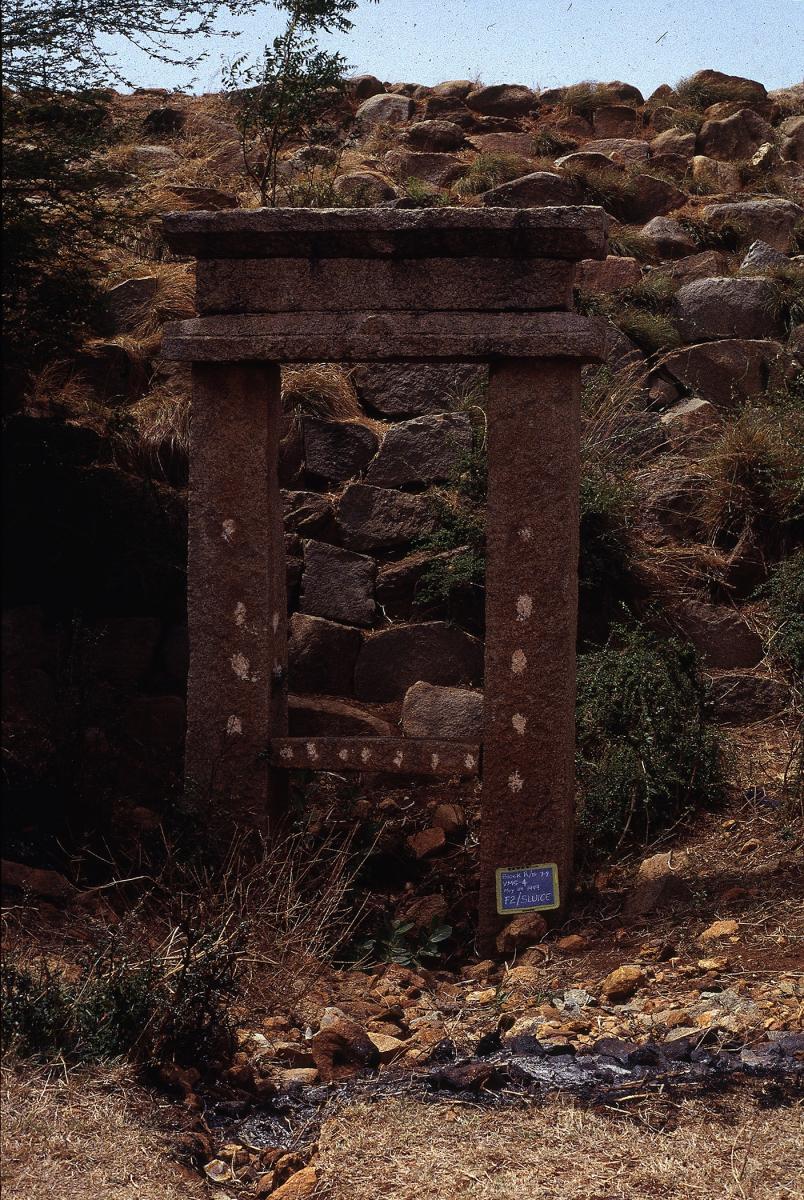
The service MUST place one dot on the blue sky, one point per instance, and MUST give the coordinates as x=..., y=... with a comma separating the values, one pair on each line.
x=543, y=43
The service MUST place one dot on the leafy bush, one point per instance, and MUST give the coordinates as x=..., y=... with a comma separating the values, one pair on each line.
x=644, y=753
x=785, y=593
x=393, y=945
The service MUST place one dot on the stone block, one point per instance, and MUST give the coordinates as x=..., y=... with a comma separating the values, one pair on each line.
x=422, y=450
x=442, y=712
x=338, y=584
x=322, y=655
x=372, y=518
x=708, y=309
x=394, y=659
x=338, y=450
x=417, y=389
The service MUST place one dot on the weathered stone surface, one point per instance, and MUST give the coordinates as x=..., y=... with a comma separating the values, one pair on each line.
x=347, y=284
x=706, y=265
x=727, y=87
x=422, y=450
x=585, y=161
x=720, y=635
x=607, y=276
x=439, y=169
x=329, y=716
x=456, y=89
x=424, y=912
x=384, y=110
x=621, y=984
x=338, y=584
x=152, y=160
x=502, y=100
x=342, y=1050
x=322, y=655
x=36, y=881
x=718, y=930
x=390, y=755
x=383, y=337
x=648, y=196
x=727, y=308
x=388, y=233
x=624, y=150
x=309, y=515
x=364, y=188
x=771, y=220
x=539, y=188
x=363, y=87
x=394, y=659
x=426, y=842
x=691, y=422
x=614, y=121
x=435, y=135
x=733, y=138
x=449, y=817
x=372, y=518
x=673, y=141
x=727, y=372
x=793, y=145
x=442, y=712
x=668, y=237
x=338, y=450
x=523, y=930
x=711, y=175
x=762, y=257
x=740, y=697
x=661, y=882
x=416, y=389
x=515, y=145
x=127, y=301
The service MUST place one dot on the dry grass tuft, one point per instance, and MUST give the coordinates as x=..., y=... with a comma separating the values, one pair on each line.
x=89, y=1135
x=402, y=1150
x=320, y=390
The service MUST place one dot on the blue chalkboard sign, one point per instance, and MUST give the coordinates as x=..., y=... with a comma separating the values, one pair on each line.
x=525, y=889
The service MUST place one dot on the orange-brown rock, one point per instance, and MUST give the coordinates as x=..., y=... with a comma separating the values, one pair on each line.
x=343, y=1050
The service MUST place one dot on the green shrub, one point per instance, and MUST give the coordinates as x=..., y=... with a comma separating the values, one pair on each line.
x=393, y=944
x=785, y=593
x=644, y=753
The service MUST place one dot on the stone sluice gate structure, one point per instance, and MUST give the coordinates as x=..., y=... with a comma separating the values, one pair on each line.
x=493, y=286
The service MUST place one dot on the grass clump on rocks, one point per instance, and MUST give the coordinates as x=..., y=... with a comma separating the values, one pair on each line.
x=785, y=594
x=645, y=754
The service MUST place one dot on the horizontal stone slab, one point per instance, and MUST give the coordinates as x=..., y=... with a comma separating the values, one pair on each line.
x=571, y=232
x=398, y=756
x=227, y=285
x=384, y=337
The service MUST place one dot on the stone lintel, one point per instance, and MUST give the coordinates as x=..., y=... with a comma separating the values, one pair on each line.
x=569, y=232
x=398, y=756
x=230, y=285
x=384, y=337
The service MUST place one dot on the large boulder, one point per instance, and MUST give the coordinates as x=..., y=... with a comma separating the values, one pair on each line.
x=721, y=637
x=762, y=257
x=727, y=372
x=423, y=450
x=322, y=655
x=727, y=308
x=673, y=141
x=415, y=389
x=624, y=150
x=601, y=277
x=338, y=450
x=309, y=515
x=614, y=121
x=705, y=265
x=712, y=86
x=647, y=196
x=668, y=238
x=338, y=584
x=532, y=191
x=438, y=169
x=502, y=100
x=734, y=138
x=397, y=582
x=793, y=144
x=435, y=135
x=691, y=423
x=363, y=87
x=377, y=518
x=513, y=145
x=394, y=659
x=661, y=882
x=442, y=712
x=774, y=220
x=454, y=89
x=363, y=189
x=712, y=175
x=384, y=110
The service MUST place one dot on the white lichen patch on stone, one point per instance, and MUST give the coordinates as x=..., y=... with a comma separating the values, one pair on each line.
x=365, y=754
x=240, y=614
x=525, y=533
x=286, y=752
x=518, y=662
x=519, y=723
x=228, y=527
x=434, y=761
x=234, y=726
x=241, y=667
x=515, y=782
x=398, y=758
x=312, y=752
x=469, y=762
x=524, y=608
x=343, y=755
x=275, y=622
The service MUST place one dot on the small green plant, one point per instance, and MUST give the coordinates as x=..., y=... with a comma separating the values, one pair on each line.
x=490, y=170
x=421, y=194
x=644, y=753
x=393, y=945
x=785, y=594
